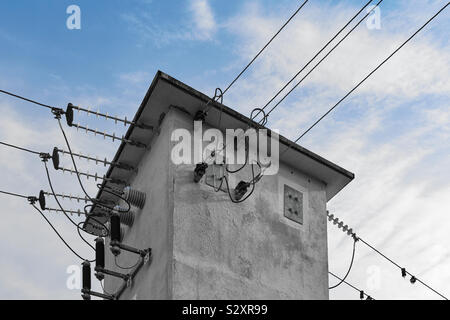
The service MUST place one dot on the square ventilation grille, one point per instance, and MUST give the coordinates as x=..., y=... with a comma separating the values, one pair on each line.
x=293, y=204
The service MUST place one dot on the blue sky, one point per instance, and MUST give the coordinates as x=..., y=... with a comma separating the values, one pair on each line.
x=393, y=133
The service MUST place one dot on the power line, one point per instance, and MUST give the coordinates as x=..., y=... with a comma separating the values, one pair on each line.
x=362, y=293
x=20, y=148
x=403, y=269
x=331, y=217
x=73, y=160
x=316, y=55
x=59, y=235
x=321, y=60
x=94, y=201
x=259, y=110
x=372, y=72
x=362, y=81
x=14, y=194
x=265, y=46
x=61, y=207
x=26, y=99
x=220, y=96
x=32, y=201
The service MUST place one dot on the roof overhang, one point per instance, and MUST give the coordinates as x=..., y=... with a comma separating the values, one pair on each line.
x=166, y=91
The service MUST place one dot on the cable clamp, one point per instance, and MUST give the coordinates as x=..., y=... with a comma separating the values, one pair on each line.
x=32, y=199
x=45, y=156
x=58, y=112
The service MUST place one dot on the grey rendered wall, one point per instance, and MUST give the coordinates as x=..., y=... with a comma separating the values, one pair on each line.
x=152, y=226
x=206, y=247
x=223, y=250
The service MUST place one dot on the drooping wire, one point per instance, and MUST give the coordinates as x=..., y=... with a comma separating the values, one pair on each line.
x=32, y=200
x=362, y=81
x=372, y=72
x=407, y=272
x=61, y=207
x=264, y=120
x=242, y=167
x=67, y=216
x=126, y=268
x=251, y=182
x=77, y=172
x=355, y=239
x=402, y=269
x=351, y=286
x=73, y=160
x=40, y=154
x=30, y=197
x=59, y=235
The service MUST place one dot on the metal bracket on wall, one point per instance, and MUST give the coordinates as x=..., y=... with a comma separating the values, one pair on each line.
x=293, y=204
x=214, y=177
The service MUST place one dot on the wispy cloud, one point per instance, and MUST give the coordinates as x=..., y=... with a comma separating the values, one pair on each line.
x=203, y=19
x=393, y=132
x=197, y=24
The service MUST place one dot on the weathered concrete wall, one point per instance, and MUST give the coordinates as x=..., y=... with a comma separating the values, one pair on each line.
x=206, y=247
x=152, y=226
x=224, y=250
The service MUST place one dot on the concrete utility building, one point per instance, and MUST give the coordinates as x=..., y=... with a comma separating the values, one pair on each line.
x=204, y=246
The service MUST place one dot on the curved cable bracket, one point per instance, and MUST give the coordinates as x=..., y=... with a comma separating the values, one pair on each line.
x=263, y=120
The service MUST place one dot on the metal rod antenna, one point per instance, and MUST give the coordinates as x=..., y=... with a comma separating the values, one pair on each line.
x=125, y=121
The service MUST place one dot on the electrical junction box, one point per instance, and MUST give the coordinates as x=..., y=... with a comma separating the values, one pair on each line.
x=293, y=204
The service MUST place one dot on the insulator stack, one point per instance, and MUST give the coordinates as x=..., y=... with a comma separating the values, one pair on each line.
x=41, y=199
x=69, y=117
x=116, y=234
x=99, y=253
x=71, y=212
x=99, y=258
x=134, y=197
x=340, y=224
x=112, y=136
x=86, y=275
x=95, y=176
x=65, y=196
x=97, y=161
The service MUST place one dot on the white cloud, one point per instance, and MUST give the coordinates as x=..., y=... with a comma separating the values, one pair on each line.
x=199, y=25
x=393, y=133
x=137, y=77
x=203, y=18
